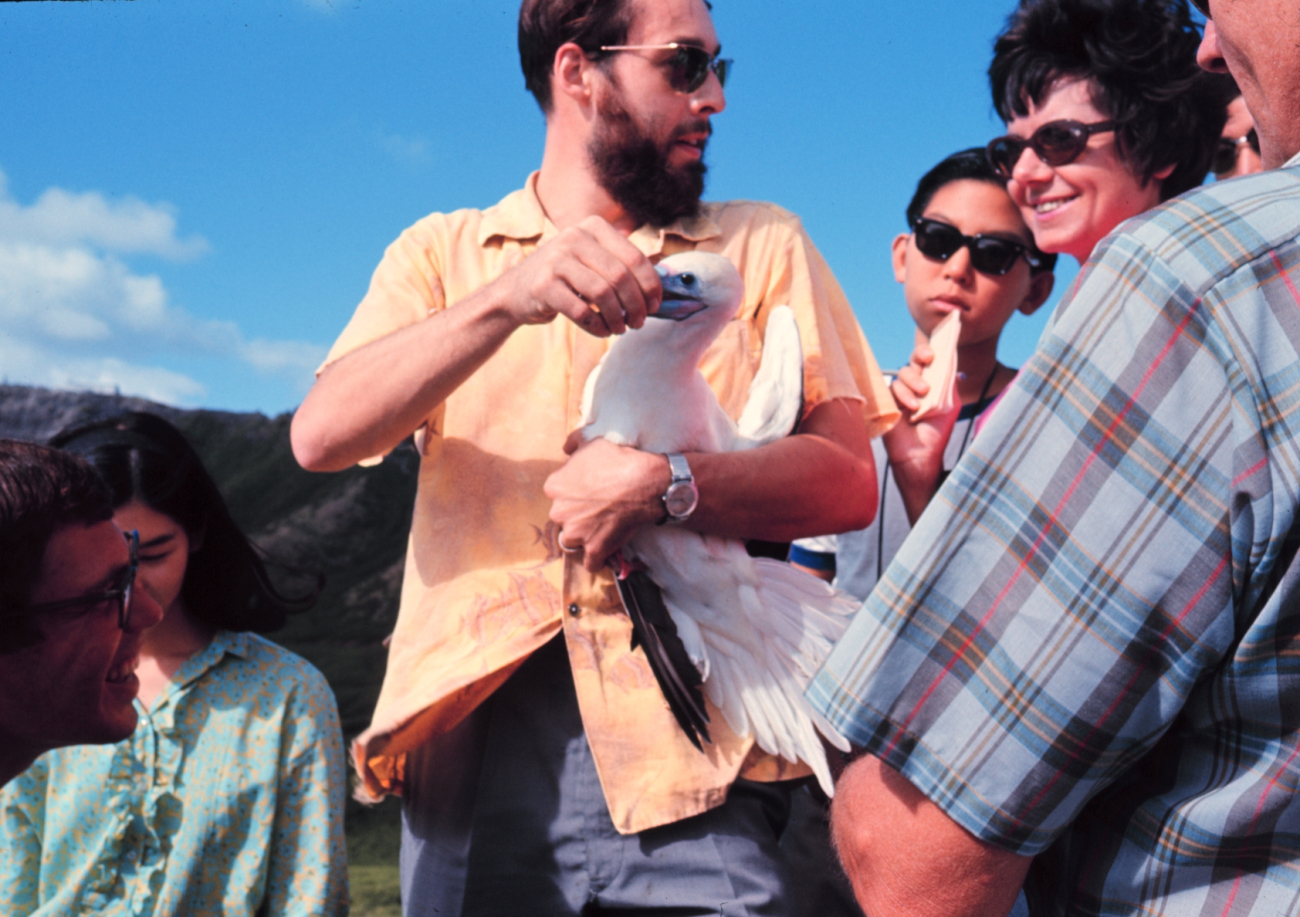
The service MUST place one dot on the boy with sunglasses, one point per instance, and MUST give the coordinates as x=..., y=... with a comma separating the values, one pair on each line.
x=968, y=252
x=70, y=622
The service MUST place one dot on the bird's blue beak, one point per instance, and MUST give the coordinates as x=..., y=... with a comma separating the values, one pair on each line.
x=681, y=295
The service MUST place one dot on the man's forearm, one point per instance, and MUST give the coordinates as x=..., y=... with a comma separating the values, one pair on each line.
x=371, y=399
x=803, y=485
x=906, y=858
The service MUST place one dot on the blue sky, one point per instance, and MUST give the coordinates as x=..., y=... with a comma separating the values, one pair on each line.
x=193, y=195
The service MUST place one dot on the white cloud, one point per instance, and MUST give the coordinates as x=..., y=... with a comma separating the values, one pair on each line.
x=29, y=363
x=75, y=314
x=128, y=225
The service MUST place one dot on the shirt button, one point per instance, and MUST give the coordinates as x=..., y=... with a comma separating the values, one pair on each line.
x=573, y=609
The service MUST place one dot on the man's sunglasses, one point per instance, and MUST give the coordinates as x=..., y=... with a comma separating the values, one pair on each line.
x=1203, y=6
x=689, y=66
x=1055, y=143
x=1225, y=154
x=120, y=594
x=988, y=254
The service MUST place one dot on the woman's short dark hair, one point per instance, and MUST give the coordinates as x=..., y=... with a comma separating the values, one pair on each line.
x=544, y=25
x=966, y=165
x=143, y=457
x=41, y=491
x=1139, y=57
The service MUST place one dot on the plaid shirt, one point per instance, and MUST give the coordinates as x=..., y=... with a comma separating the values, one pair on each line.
x=1089, y=648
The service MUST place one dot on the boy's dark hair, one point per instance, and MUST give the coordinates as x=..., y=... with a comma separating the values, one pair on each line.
x=41, y=491
x=143, y=457
x=967, y=165
x=544, y=25
x=1140, y=59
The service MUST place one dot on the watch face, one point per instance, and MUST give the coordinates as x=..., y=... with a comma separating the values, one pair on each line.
x=681, y=499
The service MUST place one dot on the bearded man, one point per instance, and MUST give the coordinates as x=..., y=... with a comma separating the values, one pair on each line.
x=540, y=767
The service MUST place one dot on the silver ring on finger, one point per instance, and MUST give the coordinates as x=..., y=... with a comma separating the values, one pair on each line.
x=559, y=537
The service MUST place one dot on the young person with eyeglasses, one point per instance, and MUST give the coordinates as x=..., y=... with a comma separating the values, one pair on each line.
x=540, y=769
x=227, y=798
x=1079, y=674
x=70, y=623
x=1107, y=114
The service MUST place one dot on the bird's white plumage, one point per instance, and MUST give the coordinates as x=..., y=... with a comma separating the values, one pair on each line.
x=757, y=630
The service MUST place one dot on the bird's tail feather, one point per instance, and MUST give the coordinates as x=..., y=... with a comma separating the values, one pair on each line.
x=801, y=618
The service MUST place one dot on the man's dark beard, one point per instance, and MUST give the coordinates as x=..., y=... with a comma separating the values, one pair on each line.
x=635, y=171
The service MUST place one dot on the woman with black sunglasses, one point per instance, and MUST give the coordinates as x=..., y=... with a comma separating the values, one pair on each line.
x=228, y=797
x=1107, y=114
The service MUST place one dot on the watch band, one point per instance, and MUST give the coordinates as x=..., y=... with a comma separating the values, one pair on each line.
x=682, y=496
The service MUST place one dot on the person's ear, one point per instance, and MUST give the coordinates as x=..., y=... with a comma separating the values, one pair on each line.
x=1040, y=287
x=571, y=73
x=898, y=254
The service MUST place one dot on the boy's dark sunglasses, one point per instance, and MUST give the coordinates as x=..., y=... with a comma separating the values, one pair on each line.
x=121, y=594
x=1055, y=143
x=1225, y=154
x=688, y=67
x=988, y=254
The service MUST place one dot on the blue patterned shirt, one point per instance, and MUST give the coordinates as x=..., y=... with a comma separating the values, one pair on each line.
x=1089, y=648
x=228, y=799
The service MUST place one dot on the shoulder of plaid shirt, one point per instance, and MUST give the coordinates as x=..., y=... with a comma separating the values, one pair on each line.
x=1088, y=649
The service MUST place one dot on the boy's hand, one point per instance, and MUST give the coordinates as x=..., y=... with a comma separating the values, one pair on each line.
x=916, y=450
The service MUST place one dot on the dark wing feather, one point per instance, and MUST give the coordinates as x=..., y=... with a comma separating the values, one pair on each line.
x=653, y=628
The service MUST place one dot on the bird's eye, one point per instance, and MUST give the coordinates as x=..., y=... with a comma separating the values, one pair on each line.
x=688, y=279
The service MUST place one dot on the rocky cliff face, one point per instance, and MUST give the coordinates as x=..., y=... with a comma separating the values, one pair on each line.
x=351, y=526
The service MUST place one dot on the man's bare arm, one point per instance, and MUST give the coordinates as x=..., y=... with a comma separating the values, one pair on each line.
x=371, y=399
x=821, y=480
x=907, y=858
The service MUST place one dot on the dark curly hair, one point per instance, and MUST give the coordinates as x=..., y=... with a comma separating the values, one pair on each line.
x=1139, y=57
x=143, y=457
x=966, y=165
x=544, y=25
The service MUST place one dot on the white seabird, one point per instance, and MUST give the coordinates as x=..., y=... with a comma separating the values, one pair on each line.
x=756, y=630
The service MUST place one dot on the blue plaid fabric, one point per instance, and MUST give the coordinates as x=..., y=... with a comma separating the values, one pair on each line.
x=1088, y=650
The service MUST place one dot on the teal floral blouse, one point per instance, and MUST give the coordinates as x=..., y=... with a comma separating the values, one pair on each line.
x=228, y=799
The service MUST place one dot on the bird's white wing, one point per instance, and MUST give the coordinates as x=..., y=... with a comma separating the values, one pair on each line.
x=757, y=630
x=776, y=394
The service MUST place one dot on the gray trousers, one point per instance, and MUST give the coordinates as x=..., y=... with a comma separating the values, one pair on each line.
x=505, y=816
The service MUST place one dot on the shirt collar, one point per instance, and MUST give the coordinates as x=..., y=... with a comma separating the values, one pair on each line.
x=520, y=216
x=223, y=642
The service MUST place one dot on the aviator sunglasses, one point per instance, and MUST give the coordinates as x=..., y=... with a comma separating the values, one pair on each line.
x=689, y=66
x=1055, y=143
x=988, y=254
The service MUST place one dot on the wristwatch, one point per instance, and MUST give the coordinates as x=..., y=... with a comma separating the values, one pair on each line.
x=681, y=497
